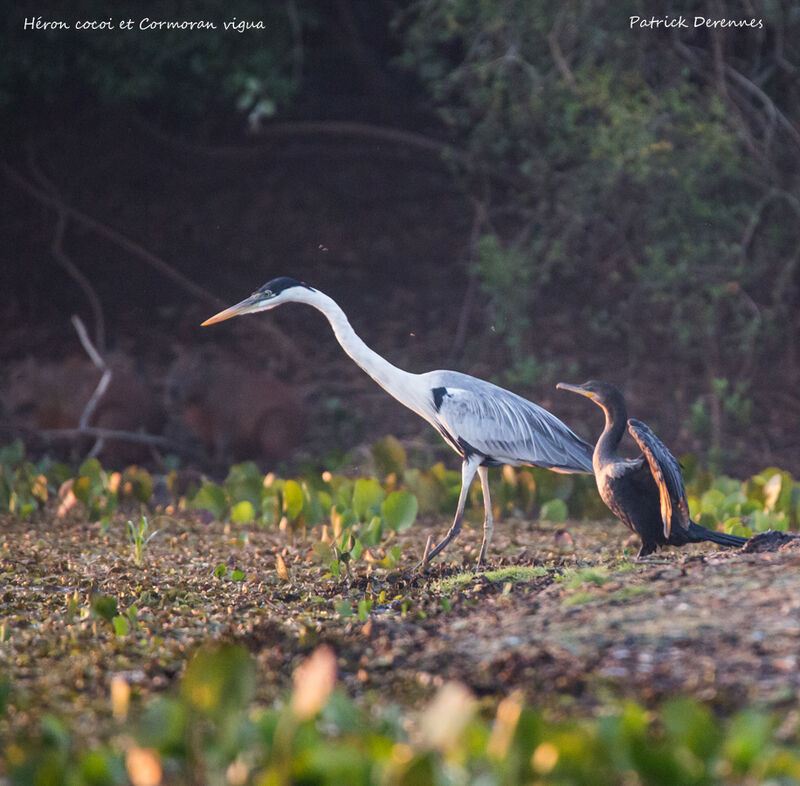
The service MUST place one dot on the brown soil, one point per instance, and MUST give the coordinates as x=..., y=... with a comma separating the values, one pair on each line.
x=584, y=627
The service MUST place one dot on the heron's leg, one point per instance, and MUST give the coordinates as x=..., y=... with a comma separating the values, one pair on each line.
x=488, y=522
x=468, y=469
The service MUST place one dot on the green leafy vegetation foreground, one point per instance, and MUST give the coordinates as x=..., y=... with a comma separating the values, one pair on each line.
x=149, y=641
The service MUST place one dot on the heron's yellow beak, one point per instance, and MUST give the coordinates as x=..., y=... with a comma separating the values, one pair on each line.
x=576, y=389
x=244, y=307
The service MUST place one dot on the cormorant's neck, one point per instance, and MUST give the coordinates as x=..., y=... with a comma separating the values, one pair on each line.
x=395, y=381
x=616, y=421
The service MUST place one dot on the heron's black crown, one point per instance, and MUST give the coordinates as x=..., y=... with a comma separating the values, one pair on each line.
x=278, y=285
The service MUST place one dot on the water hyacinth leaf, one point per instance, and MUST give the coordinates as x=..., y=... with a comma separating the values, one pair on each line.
x=219, y=679
x=748, y=738
x=270, y=507
x=368, y=495
x=342, y=489
x=426, y=488
x=82, y=489
x=399, y=510
x=371, y=534
x=104, y=606
x=163, y=726
x=136, y=483
x=312, y=506
x=245, y=482
x=212, y=498
x=712, y=501
x=735, y=526
x=243, y=512
x=389, y=455
x=691, y=725
x=554, y=510
x=292, y=499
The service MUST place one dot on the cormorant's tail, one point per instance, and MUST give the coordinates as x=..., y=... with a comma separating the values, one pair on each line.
x=698, y=534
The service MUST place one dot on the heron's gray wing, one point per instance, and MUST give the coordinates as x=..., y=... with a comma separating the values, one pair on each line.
x=666, y=472
x=508, y=429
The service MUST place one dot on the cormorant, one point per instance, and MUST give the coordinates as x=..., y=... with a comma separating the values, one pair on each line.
x=645, y=493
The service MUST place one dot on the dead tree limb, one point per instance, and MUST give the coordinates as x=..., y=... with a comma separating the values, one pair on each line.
x=61, y=256
x=102, y=385
x=277, y=336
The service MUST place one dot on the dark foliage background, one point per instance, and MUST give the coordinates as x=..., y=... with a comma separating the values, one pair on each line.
x=533, y=191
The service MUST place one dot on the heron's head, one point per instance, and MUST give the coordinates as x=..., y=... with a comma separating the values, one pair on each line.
x=602, y=393
x=274, y=293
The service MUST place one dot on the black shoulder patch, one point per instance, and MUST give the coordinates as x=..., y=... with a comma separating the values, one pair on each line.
x=438, y=397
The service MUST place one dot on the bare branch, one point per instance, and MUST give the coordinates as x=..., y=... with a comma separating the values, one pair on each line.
x=394, y=136
x=768, y=103
x=102, y=385
x=561, y=62
x=276, y=335
x=57, y=249
x=108, y=433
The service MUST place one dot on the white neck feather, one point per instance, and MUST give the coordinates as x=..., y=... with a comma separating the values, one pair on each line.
x=402, y=385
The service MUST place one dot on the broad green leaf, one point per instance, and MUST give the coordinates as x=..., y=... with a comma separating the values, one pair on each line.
x=371, y=534
x=82, y=488
x=399, y=510
x=104, y=606
x=219, y=680
x=91, y=469
x=554, y=510
x=389, y=455
x=245, y=482
x=292, y=499
x=242, y=512
x=367, y=497
x=212, y=498
x=121, y=625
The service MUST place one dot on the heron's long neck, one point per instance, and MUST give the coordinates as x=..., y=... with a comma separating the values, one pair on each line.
x=605, y=451
x=393, y=380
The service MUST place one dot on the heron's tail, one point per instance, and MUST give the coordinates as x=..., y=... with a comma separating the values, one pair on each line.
x=698, y=534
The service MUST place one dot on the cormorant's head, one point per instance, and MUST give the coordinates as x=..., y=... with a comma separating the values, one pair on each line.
x=603, y=394
x=273, y=293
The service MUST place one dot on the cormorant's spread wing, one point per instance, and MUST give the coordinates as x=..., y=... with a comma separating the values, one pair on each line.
x=508, y=429
x=666, y=472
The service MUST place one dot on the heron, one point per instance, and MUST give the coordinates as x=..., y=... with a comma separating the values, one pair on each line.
x=485, y=424
x=646, y=493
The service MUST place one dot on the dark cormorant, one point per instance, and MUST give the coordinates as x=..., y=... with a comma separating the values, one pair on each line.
x=645, y=493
